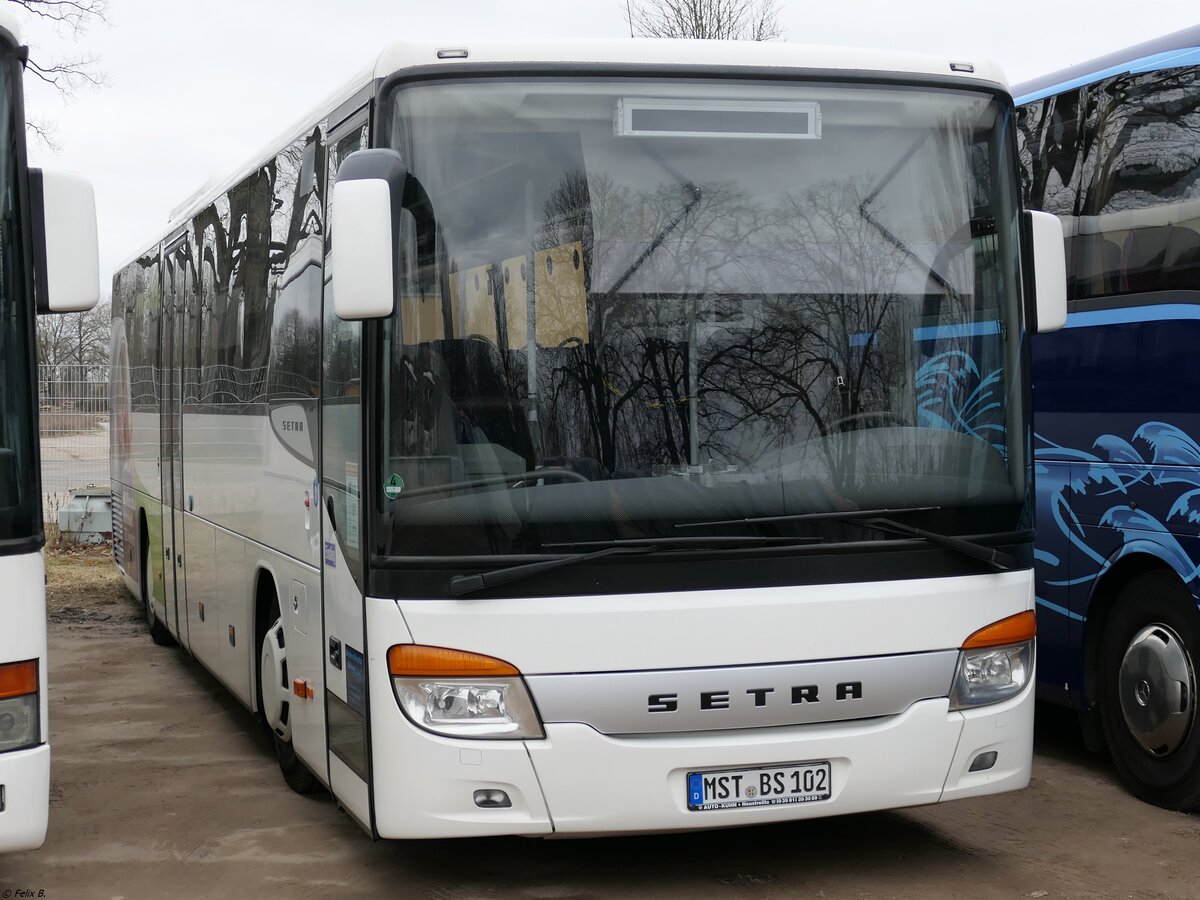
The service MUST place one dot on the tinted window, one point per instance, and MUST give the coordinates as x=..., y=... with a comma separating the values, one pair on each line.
x=295, y=287
x=1052, y=148
x=1140, y=201
x=600, y=335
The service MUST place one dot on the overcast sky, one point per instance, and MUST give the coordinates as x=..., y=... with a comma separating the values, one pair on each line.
x=196, y=87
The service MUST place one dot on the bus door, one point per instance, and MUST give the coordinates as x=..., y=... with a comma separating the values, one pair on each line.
x=174, y=316
x=341, y=514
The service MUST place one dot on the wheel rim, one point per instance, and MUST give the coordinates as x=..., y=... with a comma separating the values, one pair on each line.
x=1157, y=688
x=273, y=677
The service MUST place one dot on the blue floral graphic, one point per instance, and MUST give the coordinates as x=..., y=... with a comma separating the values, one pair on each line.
x=952, y=394
x=1140, y=494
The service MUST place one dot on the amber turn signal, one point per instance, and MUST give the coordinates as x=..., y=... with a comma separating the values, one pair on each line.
x=418, y=661
x=1013, y=630
x=18, y=679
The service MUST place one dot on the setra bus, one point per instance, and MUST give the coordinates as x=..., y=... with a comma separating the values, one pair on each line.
x=1112, y=147
x=594, y=437
x=48, y=263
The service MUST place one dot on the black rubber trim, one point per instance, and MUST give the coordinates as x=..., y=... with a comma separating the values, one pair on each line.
x=24, y=283
x=857, y=562
x=17, y=546
x=1123, y=301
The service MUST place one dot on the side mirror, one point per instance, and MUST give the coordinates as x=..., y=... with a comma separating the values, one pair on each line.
x=66, y=255
x=1049, y=270
x=365, y=218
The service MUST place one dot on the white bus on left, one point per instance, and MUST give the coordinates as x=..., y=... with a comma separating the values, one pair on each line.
x=48, y=263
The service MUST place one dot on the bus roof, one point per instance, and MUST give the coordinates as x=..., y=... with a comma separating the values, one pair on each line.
x=652, y=52
x=1180, y=48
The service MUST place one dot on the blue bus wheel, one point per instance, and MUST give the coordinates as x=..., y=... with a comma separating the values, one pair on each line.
x=1148, y=683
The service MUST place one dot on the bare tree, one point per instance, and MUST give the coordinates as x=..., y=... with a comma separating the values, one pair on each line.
x=72, y=352
x=732, y=20
x=67, y=75
x=74, y=338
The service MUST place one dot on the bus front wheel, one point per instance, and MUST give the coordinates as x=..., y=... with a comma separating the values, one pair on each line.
x=274, y=701
x=1148, y=701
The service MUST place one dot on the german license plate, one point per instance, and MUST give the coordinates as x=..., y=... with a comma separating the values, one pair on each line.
x=733, y=788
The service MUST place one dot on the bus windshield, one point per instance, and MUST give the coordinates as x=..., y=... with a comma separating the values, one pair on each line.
x=627, y=306
x=19, y=502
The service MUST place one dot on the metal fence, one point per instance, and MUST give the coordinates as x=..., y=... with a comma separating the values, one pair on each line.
x=73, y=400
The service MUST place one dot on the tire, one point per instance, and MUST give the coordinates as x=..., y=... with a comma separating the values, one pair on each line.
x=158, y=631
x=274, y=695
x=1148, y=702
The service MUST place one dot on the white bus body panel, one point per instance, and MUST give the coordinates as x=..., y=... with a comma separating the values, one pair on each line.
x=579, y=781
x=722, y=628
x=25, y=774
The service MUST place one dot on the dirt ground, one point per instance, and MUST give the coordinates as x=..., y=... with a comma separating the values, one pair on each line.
x=164, y=787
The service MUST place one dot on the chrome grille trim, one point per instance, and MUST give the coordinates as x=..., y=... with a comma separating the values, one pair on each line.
x=743, y=696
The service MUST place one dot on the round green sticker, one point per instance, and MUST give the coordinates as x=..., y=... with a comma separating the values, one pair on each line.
x=393, y=487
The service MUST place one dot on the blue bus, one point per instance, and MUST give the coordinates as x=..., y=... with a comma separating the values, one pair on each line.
x=1112, y=147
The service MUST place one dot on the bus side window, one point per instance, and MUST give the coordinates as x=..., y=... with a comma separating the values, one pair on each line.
x=1139, y=203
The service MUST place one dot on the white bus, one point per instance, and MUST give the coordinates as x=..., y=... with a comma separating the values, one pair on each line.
x=48, y=263
x=581, y=438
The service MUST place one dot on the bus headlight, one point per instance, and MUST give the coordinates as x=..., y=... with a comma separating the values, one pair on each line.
x=991, y=675
x=494, y=709
x=995, y=663
x=19, y=707
x=460, y=694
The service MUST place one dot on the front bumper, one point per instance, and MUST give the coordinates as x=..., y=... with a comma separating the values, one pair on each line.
x=580, y=782
x=25, y=777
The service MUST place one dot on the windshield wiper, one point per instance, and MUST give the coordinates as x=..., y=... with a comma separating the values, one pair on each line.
x=879, y=520
x=469, y=584
x=830, y=515
x=997, y=559
x=701, y=542
x=492, y=480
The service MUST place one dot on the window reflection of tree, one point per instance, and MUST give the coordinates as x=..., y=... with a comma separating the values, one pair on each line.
x=1144, y=133
x=767, y=360
x=1122, y=144
x=627, y=381
x=245, y=240
x=720, y=327
x=817, y=359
